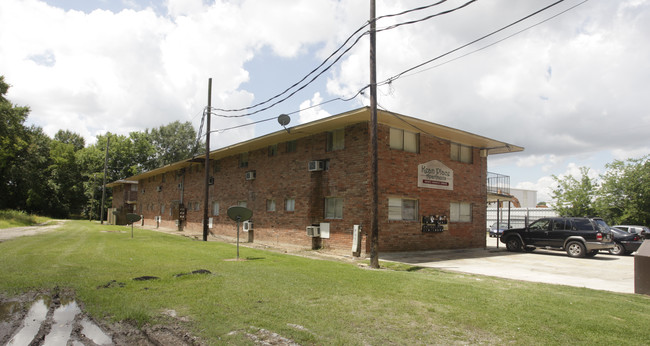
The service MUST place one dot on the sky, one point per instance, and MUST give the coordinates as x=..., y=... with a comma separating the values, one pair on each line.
x=570, y=84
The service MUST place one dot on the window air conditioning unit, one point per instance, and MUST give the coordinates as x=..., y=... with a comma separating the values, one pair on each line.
x=247, y=226
x=250, y=175
x=316, y=166
x=313, y=231
x=159, y=188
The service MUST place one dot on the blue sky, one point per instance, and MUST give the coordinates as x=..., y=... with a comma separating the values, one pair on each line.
x=571, y=90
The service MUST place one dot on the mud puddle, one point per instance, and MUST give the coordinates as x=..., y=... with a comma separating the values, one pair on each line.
x=56, y=318
x=48, y=321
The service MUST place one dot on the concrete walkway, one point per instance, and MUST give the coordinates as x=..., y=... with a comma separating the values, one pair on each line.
x=603, y=272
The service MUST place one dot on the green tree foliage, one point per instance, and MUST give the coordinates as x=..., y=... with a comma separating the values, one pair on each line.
x=68, y=137
x=575, y=197
x=624, y=196
x=173, y=142
x=61, y=177
x=24, y=158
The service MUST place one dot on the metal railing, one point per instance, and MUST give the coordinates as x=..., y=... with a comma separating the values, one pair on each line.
x=498, y=183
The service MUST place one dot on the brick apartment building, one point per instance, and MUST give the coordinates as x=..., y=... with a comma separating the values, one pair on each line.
x=432, y=185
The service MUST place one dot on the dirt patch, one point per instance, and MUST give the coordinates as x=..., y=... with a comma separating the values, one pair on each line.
x=260, y=336
x=198, y=271
x=54, y=317
x=14, y=232
x=146, y=278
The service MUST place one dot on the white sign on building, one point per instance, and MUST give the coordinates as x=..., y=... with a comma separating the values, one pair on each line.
x=435, y=175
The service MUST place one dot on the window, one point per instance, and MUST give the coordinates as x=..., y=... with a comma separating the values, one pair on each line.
x=273, y=150
x=270, y=205
x=197, y=206
x=461, y=153
x=404, y=140
x=560, y=225
x=402, y=209
x=460, y=212
x=333, y=208
x=243, y=160
x=215, y=208
x=216, y=166
x=292, y=146
x=336, y=140
x=163, y=177
x=162, y=209
x=290, y=204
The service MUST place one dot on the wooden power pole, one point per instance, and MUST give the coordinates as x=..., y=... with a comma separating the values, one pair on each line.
x=374, y=217
x=101, y=208
x=206, y=203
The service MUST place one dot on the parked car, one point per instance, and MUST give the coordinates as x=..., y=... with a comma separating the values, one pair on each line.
x=578, y=236
x=640, y=230
x=497, y=231
x=625, y=243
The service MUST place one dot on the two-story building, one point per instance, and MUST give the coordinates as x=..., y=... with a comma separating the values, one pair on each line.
x=431, y=185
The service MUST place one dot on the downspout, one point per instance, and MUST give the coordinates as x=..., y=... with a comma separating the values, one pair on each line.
x=180, y=220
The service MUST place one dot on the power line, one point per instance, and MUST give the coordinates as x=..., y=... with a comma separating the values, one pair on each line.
x=391, y=79
x=348, y=39
x=498, y=41
x=428, y=17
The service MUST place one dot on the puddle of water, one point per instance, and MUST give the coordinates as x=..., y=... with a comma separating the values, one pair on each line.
x=94, y=333
x=63, y=319
x=31, y=324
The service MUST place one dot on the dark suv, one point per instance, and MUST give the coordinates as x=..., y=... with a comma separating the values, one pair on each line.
x=578, y=236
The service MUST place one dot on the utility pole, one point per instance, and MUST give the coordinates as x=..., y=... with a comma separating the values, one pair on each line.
x=374, y=211
x=101, y=208
x=208, y=114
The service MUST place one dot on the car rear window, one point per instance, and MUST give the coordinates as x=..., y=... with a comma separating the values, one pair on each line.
x=582, y=225
x=602, y=225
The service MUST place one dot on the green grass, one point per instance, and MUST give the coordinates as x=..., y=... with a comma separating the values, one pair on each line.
x=335, y=302
x=14, y=218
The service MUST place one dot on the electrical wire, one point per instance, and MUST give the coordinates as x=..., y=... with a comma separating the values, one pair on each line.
x=428, y=17
x=496, y=42
x=391, y=79
x=347, y=40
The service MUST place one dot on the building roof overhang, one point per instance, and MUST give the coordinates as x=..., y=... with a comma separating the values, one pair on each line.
x=121, y=182
x=486, y=145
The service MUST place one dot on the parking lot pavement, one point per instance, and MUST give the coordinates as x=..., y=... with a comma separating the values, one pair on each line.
x=603, y=272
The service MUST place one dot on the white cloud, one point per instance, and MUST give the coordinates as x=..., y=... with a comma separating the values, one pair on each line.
x=566, y=90
x=310, y=109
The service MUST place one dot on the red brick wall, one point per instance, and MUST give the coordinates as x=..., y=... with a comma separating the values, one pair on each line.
x=398, y=177
x=285, y=175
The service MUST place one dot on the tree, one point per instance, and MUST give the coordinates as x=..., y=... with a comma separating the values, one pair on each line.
x=65, y=176
x=575, y=197
x=172, y=142
x=624, y=197
x=69, y=137
x=13, y=144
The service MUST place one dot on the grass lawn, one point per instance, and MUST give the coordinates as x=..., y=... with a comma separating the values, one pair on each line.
x=13, y=218
x=308, y=301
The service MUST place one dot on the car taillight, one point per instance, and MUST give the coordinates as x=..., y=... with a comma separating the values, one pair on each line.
x=599, y=236
x=636, y=237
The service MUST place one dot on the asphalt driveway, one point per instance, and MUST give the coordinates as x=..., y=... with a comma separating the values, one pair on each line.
x=603, y=272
